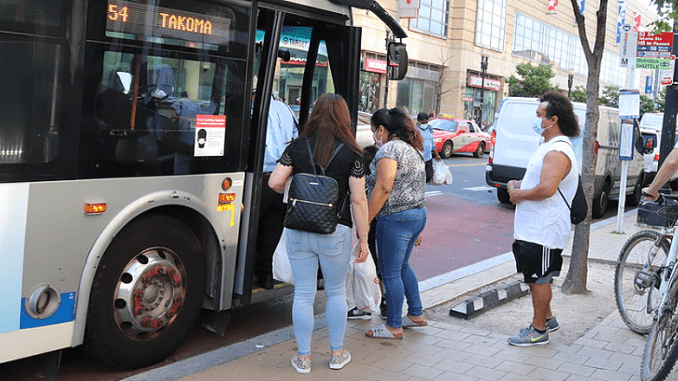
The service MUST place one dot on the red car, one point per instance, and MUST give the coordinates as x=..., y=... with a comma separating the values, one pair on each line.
x=459, y=135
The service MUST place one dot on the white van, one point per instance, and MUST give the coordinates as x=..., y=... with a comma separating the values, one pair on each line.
x=515, y=142
x=651, y=129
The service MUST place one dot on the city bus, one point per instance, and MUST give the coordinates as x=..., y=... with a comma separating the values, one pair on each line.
x=131, y=151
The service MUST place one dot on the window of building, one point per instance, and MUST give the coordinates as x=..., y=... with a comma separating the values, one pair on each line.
x=546, y=44
x=491, y=24
x=433, y=16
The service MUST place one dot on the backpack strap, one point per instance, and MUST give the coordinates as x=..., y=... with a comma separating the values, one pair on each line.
x=313, y=163
x=566, y=203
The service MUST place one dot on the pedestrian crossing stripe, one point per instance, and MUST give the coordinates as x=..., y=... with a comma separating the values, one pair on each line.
x=479, y=189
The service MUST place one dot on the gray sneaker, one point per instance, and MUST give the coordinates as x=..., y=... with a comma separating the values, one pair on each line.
x=301, y=365
x=339, y=361
x=529, y=336
x=552, y=324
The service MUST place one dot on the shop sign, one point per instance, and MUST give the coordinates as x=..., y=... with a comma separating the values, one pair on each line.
x=467, y=99
x=490, y=84
x=375, y=66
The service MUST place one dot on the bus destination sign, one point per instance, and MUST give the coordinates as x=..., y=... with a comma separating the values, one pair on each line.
x=150, y=21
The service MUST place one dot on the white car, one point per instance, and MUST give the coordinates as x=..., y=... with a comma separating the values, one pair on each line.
x=363, y=131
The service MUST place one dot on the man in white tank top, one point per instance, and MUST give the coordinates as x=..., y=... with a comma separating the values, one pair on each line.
x=542, y=218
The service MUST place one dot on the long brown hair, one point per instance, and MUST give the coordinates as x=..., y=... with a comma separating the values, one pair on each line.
x=330, y=121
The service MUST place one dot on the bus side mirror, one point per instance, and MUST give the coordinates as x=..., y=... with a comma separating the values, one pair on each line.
x=396, y=60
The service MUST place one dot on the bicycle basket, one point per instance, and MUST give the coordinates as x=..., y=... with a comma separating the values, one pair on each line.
x=654, y=214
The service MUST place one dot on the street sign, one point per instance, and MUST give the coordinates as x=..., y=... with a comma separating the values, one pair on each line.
x=653, y=63
x=629, y=103
x=646, y=50
x=626, y=140
x=629, y=47
x=666, y=76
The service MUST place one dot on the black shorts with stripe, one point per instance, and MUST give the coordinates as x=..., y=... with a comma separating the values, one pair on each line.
x=538, y=264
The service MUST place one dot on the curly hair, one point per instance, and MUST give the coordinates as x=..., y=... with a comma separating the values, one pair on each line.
x=557, y=104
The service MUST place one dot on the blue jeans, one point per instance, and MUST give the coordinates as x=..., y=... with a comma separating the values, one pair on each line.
x=305, y=250
x=396, y=235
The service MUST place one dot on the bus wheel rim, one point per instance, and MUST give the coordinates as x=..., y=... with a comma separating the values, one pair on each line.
x=149, y=293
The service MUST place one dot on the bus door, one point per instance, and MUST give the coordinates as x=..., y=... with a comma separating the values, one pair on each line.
x=298, y=56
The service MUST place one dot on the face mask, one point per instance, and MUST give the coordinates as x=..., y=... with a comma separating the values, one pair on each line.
x=536, y=126
x=377, y=142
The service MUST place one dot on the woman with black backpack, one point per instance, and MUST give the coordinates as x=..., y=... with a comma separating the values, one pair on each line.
x=328, y=127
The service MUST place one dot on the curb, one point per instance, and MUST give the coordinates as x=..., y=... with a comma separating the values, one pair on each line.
x=489, y=299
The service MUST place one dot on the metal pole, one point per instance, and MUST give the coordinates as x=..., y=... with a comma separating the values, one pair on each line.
x=669, y=123
x=483, y=69
x=388, y=39
x=570, y=77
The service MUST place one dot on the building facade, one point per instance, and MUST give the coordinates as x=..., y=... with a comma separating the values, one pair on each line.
x=461, y=52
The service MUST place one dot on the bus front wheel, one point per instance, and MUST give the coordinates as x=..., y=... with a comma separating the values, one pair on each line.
x=147, y=293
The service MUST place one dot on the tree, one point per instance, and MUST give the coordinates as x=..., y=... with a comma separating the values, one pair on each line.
x=610, y=96
x=575, y=280
x=578, y=94
x=647, y=104
x=536, y=80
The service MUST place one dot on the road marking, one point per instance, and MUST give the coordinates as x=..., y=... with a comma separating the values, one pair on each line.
x=479, y=189
x=432, y=193
x=466, y=165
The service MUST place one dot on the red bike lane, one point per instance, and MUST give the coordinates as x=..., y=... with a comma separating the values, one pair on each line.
x=459, y=233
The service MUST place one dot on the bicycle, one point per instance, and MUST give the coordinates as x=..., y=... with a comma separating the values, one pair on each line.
x=646, y=287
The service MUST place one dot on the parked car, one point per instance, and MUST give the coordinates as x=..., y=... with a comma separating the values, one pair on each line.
x=651, y=130
x=452, y=135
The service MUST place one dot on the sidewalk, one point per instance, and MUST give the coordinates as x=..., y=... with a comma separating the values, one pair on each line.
x=442, y=350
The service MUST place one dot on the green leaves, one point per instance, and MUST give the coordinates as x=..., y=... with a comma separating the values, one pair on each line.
x=535, y=82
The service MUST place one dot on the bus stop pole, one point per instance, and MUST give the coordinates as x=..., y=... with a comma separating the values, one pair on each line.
x=622, y=196
x=626, y=144
x=670, y=108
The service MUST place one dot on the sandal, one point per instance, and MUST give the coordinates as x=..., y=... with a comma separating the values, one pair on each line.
x=382, y=332
x=409, y=323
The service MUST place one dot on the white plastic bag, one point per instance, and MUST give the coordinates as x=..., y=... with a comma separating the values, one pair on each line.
x=441, y=174
x=362, y=284
x=282, y=270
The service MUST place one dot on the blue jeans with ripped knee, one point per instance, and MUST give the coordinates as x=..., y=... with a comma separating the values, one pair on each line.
x=305, y=250
x=396, y=234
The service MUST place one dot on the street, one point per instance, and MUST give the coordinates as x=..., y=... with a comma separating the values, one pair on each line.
x=466, y=224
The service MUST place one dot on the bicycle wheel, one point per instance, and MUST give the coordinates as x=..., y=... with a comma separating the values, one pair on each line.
x=661, y=347
x=631, y=285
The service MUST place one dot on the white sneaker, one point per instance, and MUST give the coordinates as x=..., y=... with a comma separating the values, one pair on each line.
x=339, y=361
x=301, y=365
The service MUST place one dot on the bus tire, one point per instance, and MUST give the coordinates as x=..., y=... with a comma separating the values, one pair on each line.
x=147, y=293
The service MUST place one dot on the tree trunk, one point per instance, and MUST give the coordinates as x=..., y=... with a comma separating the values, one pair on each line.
x=575, y=281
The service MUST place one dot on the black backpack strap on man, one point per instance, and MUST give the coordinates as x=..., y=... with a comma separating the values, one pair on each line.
x=579, y=208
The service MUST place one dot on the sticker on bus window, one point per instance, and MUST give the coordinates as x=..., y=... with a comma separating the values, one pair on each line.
x=210, y=134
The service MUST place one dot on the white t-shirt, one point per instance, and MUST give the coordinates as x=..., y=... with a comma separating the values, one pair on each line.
x=547, y=222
